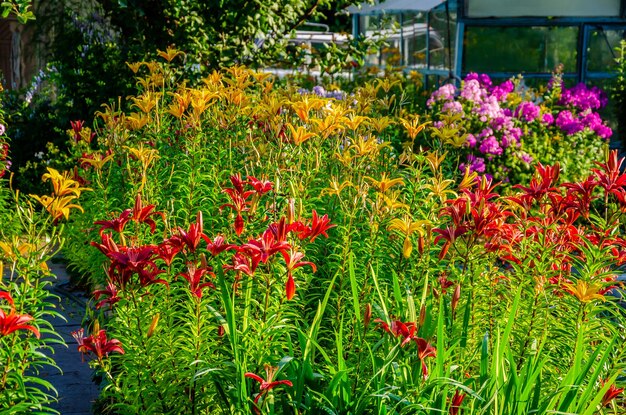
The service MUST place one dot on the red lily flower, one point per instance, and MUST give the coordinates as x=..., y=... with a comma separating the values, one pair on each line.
x=455, y=405
x=280, y=229
x=260, y=186
x=12, y=322
x=194, y=276
x=107, y=246
x=406, y=331
x=292, y=260
x=611, y=394
x=319, y=226
x=134, y=258
x=189, y=239
x=6, y=296
x=484, y=191
x=116, y=224
x=260, y=250
x=147, y=275
x=450, y=234
x=609, y=175
x=97, y=344
x=548, y=176
x=239, y=199
x=267, y=384
x=445, y=283
x=167, y=252
x=77, y=127
x=240, y=263
x=238, y=186
x=79, y=336
x=110, y=294
x=143, y=214
x=583, y=192
x=217, y=245
x=424, y=350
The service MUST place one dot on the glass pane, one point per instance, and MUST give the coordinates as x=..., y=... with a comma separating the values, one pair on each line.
x=601, y=52
x=520, y=49
x=440, y=31
x=542, y=8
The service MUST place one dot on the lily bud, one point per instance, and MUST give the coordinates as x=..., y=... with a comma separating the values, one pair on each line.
x=455, y=297
x=239, y=224
x=367, y=315
x=291, y=211
x=444, y=250
x=290, y=287
x=220, y=331
x=420, y=245
x=203, y=262
x=153, y=325
x=407, y=247
x=422, y=316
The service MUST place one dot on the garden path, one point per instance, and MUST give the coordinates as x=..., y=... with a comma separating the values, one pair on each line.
x=77, y=392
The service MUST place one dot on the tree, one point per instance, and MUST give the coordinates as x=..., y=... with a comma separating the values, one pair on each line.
x=215, y=33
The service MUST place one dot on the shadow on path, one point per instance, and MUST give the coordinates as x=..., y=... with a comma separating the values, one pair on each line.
x=77, y=392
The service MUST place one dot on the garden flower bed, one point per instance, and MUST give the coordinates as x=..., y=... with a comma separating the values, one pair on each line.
x=255, y=248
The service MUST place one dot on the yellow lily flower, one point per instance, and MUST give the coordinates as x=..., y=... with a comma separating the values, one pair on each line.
x=585, y=292
x=336, y=188
x=413, y=127
x=469, y=178
x=440, y=189
x=326, y=126
x=145, y=102
x=385, y=183
x=299, y=135
x=386, y=84
x=390, y=199
x=143, y=154
x=354, y=122
x=201, y=100
x=214, y=79
x=261, y=77
x=58, y=206
x=380, y=123
x=152, y=66
x=137, y=120
x=303, y=108
x=344, y=158
x=407, y=226
x=169, y=54
x=62, y=184
x=239, y=77
x=98, y=161
x=134, y=66
x=434, y=160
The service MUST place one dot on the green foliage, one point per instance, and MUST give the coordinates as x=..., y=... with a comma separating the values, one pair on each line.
x=19, y=8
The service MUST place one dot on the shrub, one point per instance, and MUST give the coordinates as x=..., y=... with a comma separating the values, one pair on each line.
x=503, y=129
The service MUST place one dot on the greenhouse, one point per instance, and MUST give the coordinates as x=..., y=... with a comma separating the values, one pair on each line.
x=501, y=38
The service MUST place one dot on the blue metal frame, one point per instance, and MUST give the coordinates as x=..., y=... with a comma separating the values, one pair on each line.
x=584, y=24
